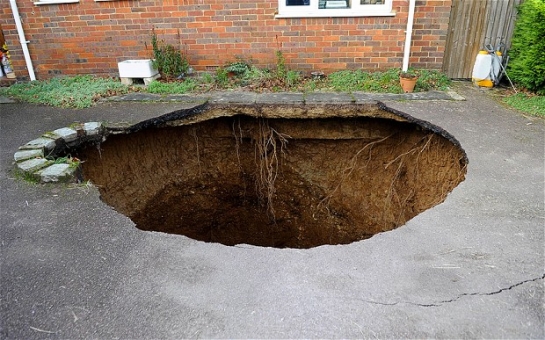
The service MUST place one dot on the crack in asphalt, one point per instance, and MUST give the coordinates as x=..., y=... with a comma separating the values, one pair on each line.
x=442, y=302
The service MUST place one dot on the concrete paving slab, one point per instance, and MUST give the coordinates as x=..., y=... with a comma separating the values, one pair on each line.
x=28, y=154
x=280, y=97
x=328, y=97
x=471, y=267
x=56, y=173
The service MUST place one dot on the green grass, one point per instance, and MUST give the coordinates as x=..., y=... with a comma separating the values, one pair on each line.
x=181, y=87
x=83, y=91
x=383, y=82
x=530, y=104
x=75, y=92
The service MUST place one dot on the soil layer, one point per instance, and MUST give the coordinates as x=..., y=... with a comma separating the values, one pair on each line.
x=296, y=183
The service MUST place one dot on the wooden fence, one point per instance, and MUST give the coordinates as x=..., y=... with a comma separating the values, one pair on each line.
x=474, y=24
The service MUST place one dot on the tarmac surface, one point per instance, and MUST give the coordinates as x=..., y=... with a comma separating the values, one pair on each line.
x=471, y=267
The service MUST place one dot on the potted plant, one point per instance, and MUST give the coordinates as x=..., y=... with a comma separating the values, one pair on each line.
x=407, y=80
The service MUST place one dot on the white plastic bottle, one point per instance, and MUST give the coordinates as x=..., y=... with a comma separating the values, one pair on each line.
x=482, y=69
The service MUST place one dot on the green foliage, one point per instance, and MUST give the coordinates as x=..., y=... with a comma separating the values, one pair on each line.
x=533, y=105
x=73, y=162
x=432, y=80
x=83, y=91
x=281, y=70
x=75, y=92
x=292, y=78
x=238, y=67
x=350, y=81
x=27, y=177
x=383, y=82
x=207, y=78
x=170, y=62
x=180, y=87
x=527, y=55
x=256, y=74
x=222, y=77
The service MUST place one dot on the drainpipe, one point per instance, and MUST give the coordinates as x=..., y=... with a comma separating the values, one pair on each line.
x=22, y=39
x=408, y=36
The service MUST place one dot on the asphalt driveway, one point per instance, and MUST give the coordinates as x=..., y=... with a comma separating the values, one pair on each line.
x=471, y=267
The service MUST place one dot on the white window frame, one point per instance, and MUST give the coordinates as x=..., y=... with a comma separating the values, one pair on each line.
x=53, y=2
x=355, y=10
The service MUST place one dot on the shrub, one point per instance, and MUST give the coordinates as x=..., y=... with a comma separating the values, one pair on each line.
x=527, y=55
x=170, y=62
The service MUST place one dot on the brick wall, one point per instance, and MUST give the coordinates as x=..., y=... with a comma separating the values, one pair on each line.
x=91, y=37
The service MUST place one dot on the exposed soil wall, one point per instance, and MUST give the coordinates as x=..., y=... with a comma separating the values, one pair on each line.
x=294, y=183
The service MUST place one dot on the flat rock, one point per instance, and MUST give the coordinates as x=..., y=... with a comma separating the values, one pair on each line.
x=28, y=154
x=56, y=173
x=32, y=165
x=39, y=143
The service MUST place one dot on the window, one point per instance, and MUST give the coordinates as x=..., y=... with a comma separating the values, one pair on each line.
x=333, y=8
x=52, y=2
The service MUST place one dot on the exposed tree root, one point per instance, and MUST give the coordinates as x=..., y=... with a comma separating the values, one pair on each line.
x=268, y=143
x=349, y=169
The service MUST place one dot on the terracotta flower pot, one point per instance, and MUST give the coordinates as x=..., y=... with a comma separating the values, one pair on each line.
x=407, y=84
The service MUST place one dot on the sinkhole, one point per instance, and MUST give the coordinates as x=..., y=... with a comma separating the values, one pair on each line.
x=296, y=177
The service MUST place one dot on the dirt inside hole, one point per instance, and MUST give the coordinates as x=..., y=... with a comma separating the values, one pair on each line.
x=296, y=183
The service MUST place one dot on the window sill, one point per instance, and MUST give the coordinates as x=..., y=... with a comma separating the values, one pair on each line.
x=332, y=14
x=54, y=2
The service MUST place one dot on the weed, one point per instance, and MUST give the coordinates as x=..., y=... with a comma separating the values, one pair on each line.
x=207, y=78
x=73, y=162
x=170, y=62
x=429, y=80
x=181, y=87
x=292, y=78
x=27, y=177
x=281, y=70
x=222, y=77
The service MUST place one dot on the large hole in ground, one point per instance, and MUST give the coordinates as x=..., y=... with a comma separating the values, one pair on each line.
x=296, y=183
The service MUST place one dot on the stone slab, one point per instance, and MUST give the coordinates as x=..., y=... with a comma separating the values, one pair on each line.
x=233, y=98
x=33, y=165
x=280, y=98
x=92, y=128
x=329, y=98
x=183, y=98
x=42, y=142
x=56, y=173
x=67, y=134
x=28, y=154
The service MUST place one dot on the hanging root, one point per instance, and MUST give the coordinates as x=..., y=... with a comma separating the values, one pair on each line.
x=238, y=141
x=194, y=132
x=268, y=143
x=391, y=191
x=349, y=169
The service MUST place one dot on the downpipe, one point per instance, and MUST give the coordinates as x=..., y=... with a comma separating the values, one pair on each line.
x=22, y=39
x=408, y=36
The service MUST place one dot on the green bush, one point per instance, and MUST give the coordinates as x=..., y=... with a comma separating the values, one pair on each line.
x=527, y=55
x=169, y=61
